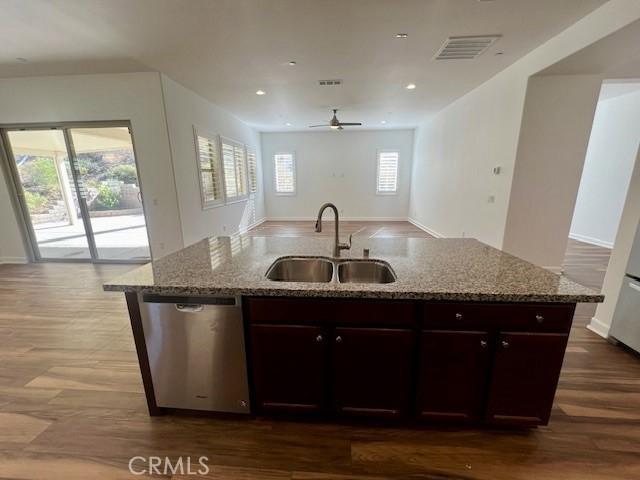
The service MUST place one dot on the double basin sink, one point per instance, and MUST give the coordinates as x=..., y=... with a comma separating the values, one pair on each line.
x=323, y=269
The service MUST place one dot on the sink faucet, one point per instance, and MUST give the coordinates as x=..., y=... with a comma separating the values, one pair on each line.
x=337, y=246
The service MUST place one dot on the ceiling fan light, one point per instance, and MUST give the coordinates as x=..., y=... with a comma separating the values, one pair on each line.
x=334, y=127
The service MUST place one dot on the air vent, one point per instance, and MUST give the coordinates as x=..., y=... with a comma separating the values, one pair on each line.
x=329, y=83
x=465, y=48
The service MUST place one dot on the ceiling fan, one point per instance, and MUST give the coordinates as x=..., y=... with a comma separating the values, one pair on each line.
x=336, y=124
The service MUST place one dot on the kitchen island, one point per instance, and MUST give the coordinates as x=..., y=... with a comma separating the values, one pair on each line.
x=462, y=333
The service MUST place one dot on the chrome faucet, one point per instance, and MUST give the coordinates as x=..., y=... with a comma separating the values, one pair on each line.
x=337, y=246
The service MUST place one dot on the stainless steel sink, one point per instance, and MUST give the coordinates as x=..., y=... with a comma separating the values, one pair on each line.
x=301, y=269
x=365, y=271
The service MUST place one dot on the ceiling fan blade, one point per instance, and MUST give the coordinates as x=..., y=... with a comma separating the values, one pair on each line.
x=324, y=125
x=350, y=124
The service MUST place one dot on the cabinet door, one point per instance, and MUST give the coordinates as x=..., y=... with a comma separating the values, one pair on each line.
x=453, y=374
x=372, y=371
x=524, y=378
x=289, y=366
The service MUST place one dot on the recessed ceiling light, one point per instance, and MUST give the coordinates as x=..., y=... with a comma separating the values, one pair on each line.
x=292, y=63
x=260, y=92
x=383, y=121
x=411, y=86
x=402, y=35
x=288, y=124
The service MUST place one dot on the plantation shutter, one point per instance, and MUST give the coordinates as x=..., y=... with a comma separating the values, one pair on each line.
x=209, y=170
x=285, y=173
x=235, y=170
x=252, y=166
x=387, y=172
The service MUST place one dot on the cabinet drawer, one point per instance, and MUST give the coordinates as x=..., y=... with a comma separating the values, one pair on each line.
x=330, y=312
x=512, y=317
x=288, y=310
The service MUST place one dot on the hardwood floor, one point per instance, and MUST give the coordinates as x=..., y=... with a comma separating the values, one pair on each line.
x=71, y=402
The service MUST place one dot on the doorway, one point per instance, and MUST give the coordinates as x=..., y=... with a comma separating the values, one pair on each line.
x=79, y=192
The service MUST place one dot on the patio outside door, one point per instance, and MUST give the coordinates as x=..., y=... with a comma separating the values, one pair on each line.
x=79, y=191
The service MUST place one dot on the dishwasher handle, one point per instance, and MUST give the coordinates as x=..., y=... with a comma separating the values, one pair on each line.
x=189, y=307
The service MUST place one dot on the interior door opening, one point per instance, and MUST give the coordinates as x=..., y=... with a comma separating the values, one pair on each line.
x=79, y=192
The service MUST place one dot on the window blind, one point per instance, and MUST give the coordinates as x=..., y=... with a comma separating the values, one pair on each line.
x=387, y=181
x=209, y=169
x=285, y=177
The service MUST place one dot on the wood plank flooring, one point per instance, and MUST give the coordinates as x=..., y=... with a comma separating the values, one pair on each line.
x=71, y=405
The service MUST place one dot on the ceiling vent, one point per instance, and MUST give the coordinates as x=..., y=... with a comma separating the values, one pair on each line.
x=465, y=48
x=329, y=83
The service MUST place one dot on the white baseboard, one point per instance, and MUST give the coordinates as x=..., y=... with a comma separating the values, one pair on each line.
x=345, y=219
x=596, y=326
x=252, y=225
x=18, y=260
x=558, y=270
x=591, y=240
x=424, y=228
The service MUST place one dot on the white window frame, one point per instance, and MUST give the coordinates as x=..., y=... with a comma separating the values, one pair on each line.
x=235, y=144
x=251, y=151
x=295, y=177
x=207, y=204
x=397, y=190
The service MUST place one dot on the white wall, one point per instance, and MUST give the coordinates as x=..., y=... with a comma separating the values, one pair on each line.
x=184, y=109
x=136, y=97
x=456, y=149
x=601, y=322
x=554, y=134
x=454, y=156
x=338, y=167
x=607, y=170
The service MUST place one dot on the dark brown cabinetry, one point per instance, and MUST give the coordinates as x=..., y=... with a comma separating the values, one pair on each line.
x=372, y=371
x=524, y=377
x=453, y=375
x=482, y=362
x=289, y=368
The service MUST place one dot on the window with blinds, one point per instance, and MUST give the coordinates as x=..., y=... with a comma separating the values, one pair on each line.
x=209, y=170
x=285, y=173
x=252, y=166
x=387, y=177
x=234, y=167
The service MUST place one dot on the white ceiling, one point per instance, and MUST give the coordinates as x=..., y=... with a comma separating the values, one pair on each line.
x=225, y=50
x=618, y=89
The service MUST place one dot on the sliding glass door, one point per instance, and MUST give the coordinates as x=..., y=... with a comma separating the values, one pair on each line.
x=108, y=179
x=79, y=191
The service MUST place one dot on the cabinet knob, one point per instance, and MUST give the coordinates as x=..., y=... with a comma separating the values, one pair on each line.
x=319, y=338
x=539, y=318
x=483, y=343
x=338, y=339
x=505, y=344
x=458, y=316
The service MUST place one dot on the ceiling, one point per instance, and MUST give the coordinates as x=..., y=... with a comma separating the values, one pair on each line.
x=616, y=56
x=85, y=140
x=618, y=89
x=226, y=50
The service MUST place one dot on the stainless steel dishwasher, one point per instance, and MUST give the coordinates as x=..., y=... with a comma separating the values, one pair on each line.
x=196, y=352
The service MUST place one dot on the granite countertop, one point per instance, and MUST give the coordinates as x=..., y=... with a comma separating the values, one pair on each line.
x=429, y=269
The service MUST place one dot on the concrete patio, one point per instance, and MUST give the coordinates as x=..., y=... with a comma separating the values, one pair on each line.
x=122, y=237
